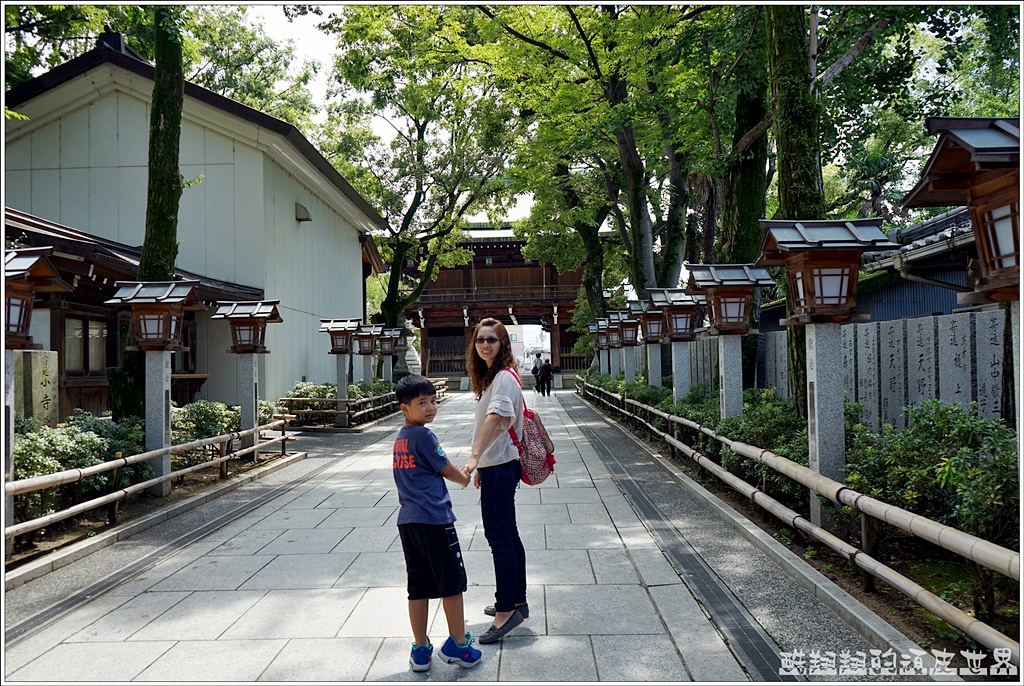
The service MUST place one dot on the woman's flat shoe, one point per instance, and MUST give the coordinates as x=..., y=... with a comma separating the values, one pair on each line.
x=524, y=610
x=495, y=634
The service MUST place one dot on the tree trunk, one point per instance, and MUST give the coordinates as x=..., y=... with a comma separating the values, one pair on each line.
x=797, y=146
x=744, y=185
x=160, y=246
x=165, y=187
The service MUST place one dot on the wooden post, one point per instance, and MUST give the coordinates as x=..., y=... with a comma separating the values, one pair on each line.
x=867, y=544
x=114, y=507
x=223, y=449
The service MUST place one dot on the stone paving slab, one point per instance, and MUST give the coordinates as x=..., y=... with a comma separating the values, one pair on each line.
x=310, y=584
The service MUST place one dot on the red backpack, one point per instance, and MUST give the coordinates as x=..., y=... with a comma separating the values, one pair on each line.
x=536, y=451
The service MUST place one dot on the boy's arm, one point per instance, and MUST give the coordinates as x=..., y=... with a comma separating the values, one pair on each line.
x=453, y=473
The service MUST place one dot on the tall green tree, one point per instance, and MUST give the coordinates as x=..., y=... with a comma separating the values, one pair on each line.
x=417, y=71
x=223, y=50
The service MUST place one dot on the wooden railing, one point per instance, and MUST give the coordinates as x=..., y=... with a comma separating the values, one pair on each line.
x=980, y=551
x=223, y=442
x=346, y=412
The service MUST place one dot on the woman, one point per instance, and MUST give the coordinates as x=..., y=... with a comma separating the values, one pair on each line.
x=494, y=465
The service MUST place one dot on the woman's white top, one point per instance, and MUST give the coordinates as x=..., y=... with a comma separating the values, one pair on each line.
x=503, y=397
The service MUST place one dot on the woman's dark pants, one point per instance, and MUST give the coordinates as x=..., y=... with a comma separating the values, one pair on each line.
x=498, y=506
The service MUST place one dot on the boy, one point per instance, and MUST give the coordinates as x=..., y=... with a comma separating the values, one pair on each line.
x=433, y=559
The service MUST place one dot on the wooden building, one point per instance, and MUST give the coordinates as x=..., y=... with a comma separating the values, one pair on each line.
x=85, y=331
x=500, y=283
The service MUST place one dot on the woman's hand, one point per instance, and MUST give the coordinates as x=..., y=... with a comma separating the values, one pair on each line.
x=470, y=469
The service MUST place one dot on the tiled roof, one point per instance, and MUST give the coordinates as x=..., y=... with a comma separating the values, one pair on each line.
x=266, y=309
x=783, y=236
x=162, y=292
x=723, y=275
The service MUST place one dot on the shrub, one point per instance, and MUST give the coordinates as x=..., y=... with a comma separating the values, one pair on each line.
x=193, y=422
x=950, y=465
x=648, y=395
x=51, y=450
x=127, y=437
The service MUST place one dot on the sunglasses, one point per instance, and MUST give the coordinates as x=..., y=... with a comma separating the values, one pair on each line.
x=490, y=340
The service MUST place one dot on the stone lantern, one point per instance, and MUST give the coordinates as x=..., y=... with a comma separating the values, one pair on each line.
x=388, y=339
x=729, y=289
x=602, y=345
x=976, y=162
x=158, y=309
x=630, y=328
x=822, y=260
x=342, y=333
x=27, y=271
x=615, y=318
x=652, y=322
x=679, y=310
x=248, y=322
x=366, y=345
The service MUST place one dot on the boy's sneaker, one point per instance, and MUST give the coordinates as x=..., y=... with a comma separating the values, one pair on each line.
x=420, y=657
x=463, y=655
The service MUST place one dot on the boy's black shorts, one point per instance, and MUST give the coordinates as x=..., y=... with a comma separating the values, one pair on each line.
x=433, y=560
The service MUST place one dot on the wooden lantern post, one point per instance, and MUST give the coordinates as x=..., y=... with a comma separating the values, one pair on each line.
x=679, y=312
x=976, y=162
x=248, y=322
x=822, y=260
x=652, y=323
x=366, y=346
x=158, y=309
x=729, y=288
x=26, y=272
x=342, y=333
x=602, y=345
x=388, y=340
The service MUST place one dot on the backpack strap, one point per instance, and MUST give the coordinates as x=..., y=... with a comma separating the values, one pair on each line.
x=511, y=432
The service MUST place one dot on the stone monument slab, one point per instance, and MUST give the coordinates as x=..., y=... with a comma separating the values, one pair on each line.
x=892, y=365
x=921, y=357
x=867, y=373
x=954, y=356
x=989, y=327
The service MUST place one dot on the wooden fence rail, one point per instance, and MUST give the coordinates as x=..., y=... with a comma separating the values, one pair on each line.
x=995, y=557
x=38, y=483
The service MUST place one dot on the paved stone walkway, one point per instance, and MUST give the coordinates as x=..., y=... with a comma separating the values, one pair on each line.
x=298, y=576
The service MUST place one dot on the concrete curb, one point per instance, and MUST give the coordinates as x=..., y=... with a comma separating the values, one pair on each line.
x=76, y=551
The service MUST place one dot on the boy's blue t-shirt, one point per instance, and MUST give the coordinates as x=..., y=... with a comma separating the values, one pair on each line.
x=422, y=493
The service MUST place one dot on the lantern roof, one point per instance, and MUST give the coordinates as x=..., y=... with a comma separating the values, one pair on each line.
x=639, y=307
x=666, y=297
x=329, y=325
x=968, y=147
x=32, y=266
x=391, y=333
x=369, y=329
x=788, y=236
x=157, y=292
x=265, y=309
x=703, y=276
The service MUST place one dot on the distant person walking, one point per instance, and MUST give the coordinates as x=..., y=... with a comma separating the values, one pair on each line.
x=536, y=373
x=494, y=465
x=544, y=377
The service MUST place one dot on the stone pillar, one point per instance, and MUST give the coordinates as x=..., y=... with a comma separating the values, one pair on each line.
x=401, y=367
x=730, y=376
x=367, y=368
x=385, y=366
x=629, y=359
x=8, y=442
x=342, y=361
x=248, y=393
x=825, y=431
x=680, y=369
x=654, y=364
x=158, y=415
x=1015, y=334
x=605, y=357
x=36, y=377
x=615, y=360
